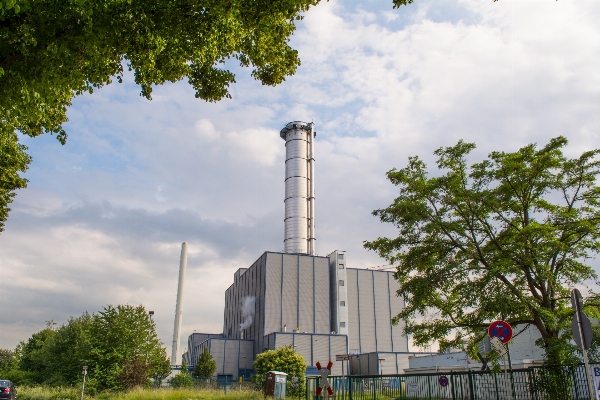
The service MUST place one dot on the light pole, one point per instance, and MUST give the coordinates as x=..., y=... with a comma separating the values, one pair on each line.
x=150, y=313
x=84, y=372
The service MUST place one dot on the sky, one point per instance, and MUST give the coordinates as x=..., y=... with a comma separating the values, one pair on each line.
x=103, y=217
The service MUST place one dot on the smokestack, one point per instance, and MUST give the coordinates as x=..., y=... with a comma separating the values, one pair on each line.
x=299, y=236
x=179, y=305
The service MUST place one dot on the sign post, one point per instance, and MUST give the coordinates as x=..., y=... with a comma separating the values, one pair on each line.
x=582, y=333
x=343, y=358
x=500, y=333
x=84, y=373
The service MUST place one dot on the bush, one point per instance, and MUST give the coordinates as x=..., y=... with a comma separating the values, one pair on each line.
x=284, y=359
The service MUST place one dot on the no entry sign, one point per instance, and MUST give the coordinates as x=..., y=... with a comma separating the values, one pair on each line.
x=501, y=330
x=443, y=381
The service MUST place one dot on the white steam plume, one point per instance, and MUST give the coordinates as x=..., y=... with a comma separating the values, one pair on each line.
x=247, y=312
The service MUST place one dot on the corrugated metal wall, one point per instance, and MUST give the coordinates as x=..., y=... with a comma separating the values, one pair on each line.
x=353, y=314
x=321, y=297
x=366, y=300
x=372, y=303
x=400, y=340
x=289, y=292
x=313, y=347
x=306, y=310
x=272, y=321
x=383, y=314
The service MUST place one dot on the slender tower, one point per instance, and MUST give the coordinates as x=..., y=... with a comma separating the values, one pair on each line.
x=179, y=305
x=299, y=200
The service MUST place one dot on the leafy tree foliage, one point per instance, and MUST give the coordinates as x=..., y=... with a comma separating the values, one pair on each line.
x=284, y=359
x=51, y=51
x=206, y=366
x=8, y=361
x=54, y=50
x=183, y=379
x=33, y=353
x=120, y=336
x=119, y=345
x=13, y=160
x=505, y=238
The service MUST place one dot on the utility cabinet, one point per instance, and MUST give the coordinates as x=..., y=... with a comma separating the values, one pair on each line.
x=275, y=384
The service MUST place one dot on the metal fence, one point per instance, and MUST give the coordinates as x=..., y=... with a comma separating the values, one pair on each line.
x=536, y=383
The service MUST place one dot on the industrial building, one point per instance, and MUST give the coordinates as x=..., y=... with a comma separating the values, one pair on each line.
x=316, y=304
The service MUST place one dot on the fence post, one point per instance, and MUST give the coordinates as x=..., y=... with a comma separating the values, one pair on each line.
x=349, y=387
x=374, y=390
x=452, y=383
x=471, y=389
x=572, y=367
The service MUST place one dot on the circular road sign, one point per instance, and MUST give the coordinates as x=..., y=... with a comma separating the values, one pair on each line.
x=443, y=381
x=502, y=330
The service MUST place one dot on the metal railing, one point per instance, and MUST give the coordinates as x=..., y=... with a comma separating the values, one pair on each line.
x=535, y=383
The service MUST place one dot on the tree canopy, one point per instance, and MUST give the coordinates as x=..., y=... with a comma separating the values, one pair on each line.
x=206, y=365
x=118, y=344
x=52, y=51
x=505, y=238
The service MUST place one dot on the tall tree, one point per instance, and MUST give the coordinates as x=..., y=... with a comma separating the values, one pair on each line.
x=501, y=239
x=206, y=365
x=120, y=337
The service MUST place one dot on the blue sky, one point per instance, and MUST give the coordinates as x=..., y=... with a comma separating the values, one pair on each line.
x=103, y=217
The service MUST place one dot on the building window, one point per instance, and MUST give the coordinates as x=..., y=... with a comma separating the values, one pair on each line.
x=341, y=282
x=340, y=257
x=342, y=303
x=341, y=266
x=342, y=324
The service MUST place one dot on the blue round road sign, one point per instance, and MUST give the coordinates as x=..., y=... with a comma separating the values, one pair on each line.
x=500, y=329
x=443, y=380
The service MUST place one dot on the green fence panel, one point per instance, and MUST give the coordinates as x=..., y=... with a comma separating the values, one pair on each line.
x=536, y=383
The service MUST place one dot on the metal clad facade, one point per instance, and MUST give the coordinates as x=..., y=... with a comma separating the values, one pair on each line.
x=338, y=345
x=320, y=345
x=289, y=296
x=322, y=317
x=353, y=307
x=260, y=316
x=366, y=311
x=232, y=357
x=382, y=311
x=400, y=341
x=303, y=346
x=273, y=293
x=306, y=309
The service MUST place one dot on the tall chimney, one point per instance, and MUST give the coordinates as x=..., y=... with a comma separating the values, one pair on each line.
x=299, y=236
x=179, y=305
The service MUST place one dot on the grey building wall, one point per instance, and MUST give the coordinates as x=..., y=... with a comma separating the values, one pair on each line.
x=289, y=291
x=313, y=347
x=233, y=356
x=338, y=294
x=372, y=303
x=191, y=355
x=381, y=363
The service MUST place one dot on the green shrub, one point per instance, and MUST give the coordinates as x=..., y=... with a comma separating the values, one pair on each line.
x=182, y=380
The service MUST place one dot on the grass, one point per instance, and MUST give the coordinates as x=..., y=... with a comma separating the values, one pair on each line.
x=48, y=393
